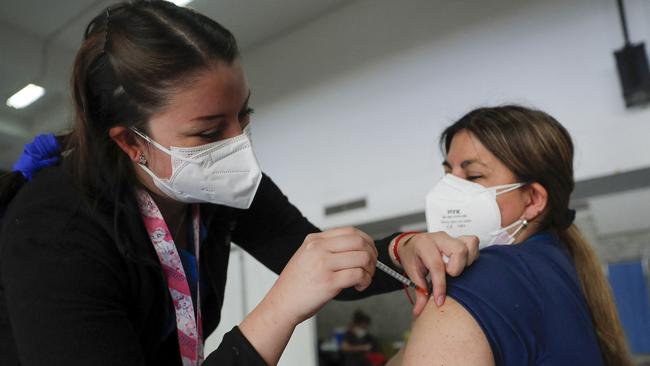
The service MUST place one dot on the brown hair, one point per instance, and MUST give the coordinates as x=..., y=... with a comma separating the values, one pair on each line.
x=537, y=148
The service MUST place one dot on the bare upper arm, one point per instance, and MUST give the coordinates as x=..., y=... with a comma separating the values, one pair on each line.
x=447, y=335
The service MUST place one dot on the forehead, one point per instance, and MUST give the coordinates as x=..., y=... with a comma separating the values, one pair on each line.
x=465, y=146
x=221, y=88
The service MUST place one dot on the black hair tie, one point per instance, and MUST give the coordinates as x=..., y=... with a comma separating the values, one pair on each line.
x=567, y=220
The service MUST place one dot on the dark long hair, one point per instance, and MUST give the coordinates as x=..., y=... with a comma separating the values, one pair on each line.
x=537, y=148
x=133, y=57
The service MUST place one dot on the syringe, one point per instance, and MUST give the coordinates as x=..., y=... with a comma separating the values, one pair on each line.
x=389, y=271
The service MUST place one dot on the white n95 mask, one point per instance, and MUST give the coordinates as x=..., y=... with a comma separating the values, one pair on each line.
x=224, y=172
x=460, y=207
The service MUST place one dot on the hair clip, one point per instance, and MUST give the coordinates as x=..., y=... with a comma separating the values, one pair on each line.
x=106, y=24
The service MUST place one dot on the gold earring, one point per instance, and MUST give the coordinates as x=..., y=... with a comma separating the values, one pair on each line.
x=143, y=160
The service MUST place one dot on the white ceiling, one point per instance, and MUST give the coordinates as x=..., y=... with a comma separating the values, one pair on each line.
x=38, y=39
x=252, y=21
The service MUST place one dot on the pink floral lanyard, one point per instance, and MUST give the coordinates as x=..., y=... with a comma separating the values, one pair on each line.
x=188, y=328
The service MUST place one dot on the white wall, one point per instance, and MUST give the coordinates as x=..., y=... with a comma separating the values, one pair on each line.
x=248, y=282
x=351, y=105
x=234, y=306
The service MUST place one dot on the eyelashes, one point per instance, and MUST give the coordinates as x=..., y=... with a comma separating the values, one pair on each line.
x=211, y=134
x=218, y=132
x=246, y=112
x=470, y=178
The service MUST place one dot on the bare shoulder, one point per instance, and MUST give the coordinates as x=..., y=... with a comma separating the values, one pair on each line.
x=447, y=335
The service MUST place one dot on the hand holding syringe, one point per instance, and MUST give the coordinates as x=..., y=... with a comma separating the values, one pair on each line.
x=421, y=255
x=403, y=279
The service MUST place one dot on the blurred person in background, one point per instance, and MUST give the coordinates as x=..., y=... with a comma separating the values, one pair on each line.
x=357, y=338
x=359, y=347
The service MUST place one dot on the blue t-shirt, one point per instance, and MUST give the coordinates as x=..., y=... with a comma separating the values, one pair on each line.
x=528, y=300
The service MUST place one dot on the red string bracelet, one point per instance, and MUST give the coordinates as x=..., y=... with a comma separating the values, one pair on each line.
x=397, y=243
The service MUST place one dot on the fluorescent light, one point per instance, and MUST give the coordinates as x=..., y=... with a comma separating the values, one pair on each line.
x=25, y=96
x=181, y=2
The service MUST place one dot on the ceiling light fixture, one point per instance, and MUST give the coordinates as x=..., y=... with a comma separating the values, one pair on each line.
x=25, y=96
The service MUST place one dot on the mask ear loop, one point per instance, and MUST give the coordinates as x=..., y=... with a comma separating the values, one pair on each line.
x=142, y=159
x=524, y=224
x=160, y=147
x=166, y=150
x=507, y=188
x=150, y=140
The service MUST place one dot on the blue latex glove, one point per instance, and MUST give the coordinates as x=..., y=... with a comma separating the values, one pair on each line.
x=42, y=152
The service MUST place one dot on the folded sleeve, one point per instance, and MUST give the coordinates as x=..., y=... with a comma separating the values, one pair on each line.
x=235, y=350
x=499, y=292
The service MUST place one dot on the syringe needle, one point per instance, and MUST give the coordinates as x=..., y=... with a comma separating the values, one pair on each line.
x=403, y=279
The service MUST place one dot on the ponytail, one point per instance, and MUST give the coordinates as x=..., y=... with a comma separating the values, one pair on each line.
x=599, y=298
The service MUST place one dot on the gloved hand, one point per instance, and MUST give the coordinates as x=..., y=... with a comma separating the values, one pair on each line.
x=42, y=152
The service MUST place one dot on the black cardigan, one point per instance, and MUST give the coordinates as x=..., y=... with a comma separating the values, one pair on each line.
x=83, y=285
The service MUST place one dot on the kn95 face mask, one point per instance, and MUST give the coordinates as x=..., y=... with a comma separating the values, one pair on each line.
x=224, y=172
x=460, y=207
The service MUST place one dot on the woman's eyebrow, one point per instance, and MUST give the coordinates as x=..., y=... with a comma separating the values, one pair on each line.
x=464, y=164
x=467, y=163
x=212, y=117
